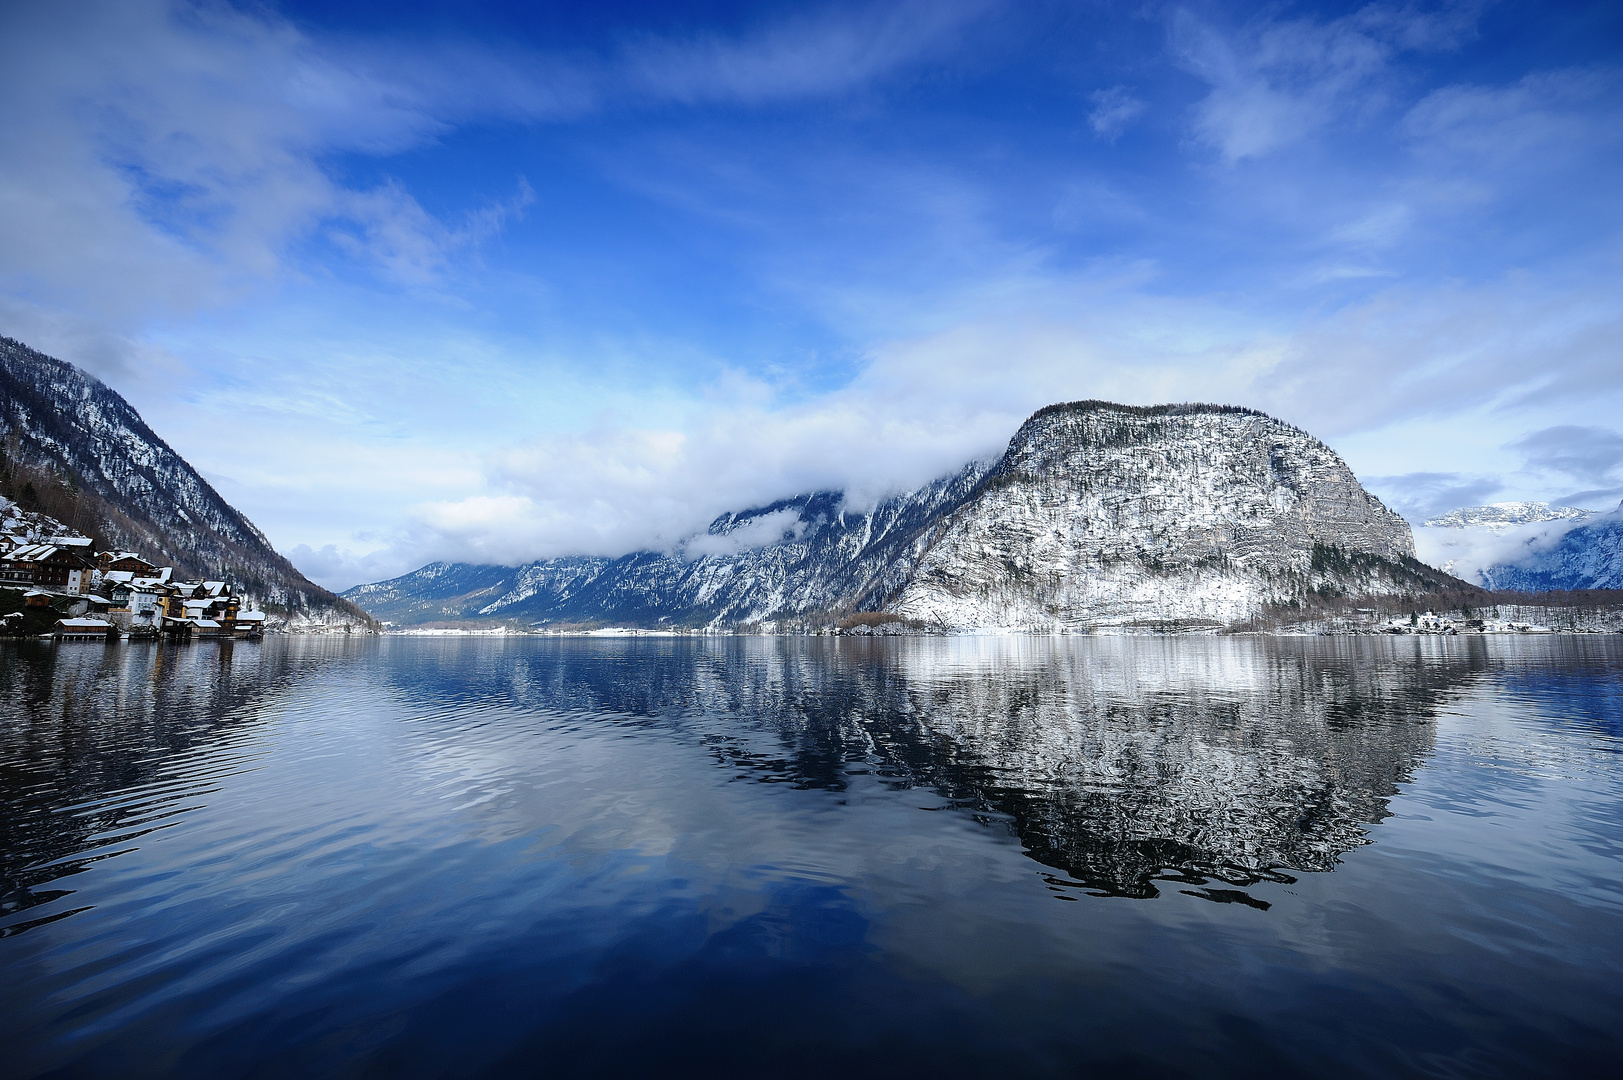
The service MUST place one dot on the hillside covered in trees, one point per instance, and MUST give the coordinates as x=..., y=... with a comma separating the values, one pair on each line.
x=74, y=449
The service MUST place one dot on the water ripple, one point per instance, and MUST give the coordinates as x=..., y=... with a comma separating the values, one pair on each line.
x=433, y=857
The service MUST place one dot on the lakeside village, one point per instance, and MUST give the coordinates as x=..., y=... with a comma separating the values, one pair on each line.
x=59, y=587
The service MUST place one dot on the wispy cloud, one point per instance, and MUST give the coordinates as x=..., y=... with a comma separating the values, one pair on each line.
x=1420, y=496
x=1585, y=454
x=1275, y=81
x=815, y=53
x=1547, y=116
x=178, y=151
x=1113, y=110
x=387, y=228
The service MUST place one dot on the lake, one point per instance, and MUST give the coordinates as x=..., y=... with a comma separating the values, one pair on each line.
x=813, y=857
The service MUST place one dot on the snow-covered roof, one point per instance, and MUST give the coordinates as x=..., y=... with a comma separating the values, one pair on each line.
x=114, y=556
x=122, y=577
x=207, y=624
x=250, y=616
x=84, y=624
x=72, y=541
x=94, y=599
x=32, y=552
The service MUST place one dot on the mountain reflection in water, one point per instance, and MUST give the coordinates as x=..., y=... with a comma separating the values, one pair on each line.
x=1133, y=761
x=218, y=852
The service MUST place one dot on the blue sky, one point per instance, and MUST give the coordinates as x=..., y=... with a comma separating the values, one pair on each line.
x=496, y=282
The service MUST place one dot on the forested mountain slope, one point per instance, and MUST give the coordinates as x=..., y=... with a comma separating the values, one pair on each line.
x=83, y=454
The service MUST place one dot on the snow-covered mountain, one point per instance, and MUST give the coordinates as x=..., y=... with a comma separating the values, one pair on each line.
x=801, y=555
x=1097, y=514
x=1589, y=556
x=1527, y=546
x=103, y=472
x=1499, y=517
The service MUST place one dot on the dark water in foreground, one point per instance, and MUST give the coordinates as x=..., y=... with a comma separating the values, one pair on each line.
x=1124, y=857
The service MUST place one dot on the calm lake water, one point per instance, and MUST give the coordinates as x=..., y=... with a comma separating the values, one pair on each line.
x=764, y=857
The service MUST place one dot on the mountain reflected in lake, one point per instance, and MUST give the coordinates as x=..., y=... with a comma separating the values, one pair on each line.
x=447, y=856
x=1125, y=763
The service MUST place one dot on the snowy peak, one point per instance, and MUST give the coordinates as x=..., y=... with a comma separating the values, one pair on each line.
x=1102, y=515
x=1506, y=515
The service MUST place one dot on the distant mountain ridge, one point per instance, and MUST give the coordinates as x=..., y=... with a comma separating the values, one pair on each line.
x=1528, y=546
x=1588, y=556
x=1097, y=514
x=1506, y=515
x=129, y=489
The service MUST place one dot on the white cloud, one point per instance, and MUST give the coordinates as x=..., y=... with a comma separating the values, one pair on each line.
x=173, y=154
x=809, y=55
x=1420, y=496
x=1275, y=81
x=1544, y=119
x=1113, y=110
x=332, y=568
x=1465, y=553
x=176, y=153
x=760, y=532
x=386, y=227
x=924, y=406
x=1445, y=349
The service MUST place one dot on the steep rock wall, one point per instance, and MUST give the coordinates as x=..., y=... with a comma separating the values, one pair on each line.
x=1102, y=514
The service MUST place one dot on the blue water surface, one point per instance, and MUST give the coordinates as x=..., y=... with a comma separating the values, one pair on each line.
x=812, y=857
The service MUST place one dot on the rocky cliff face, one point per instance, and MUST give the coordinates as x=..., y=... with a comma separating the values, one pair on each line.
x=1102, y=514
x=105, y=473
x=1097, y=515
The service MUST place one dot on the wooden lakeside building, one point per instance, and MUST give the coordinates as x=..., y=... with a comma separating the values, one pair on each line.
x=103, y=595
x=84, y=630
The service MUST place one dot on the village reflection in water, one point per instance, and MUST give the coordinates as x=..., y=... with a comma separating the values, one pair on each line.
x=93, y=748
